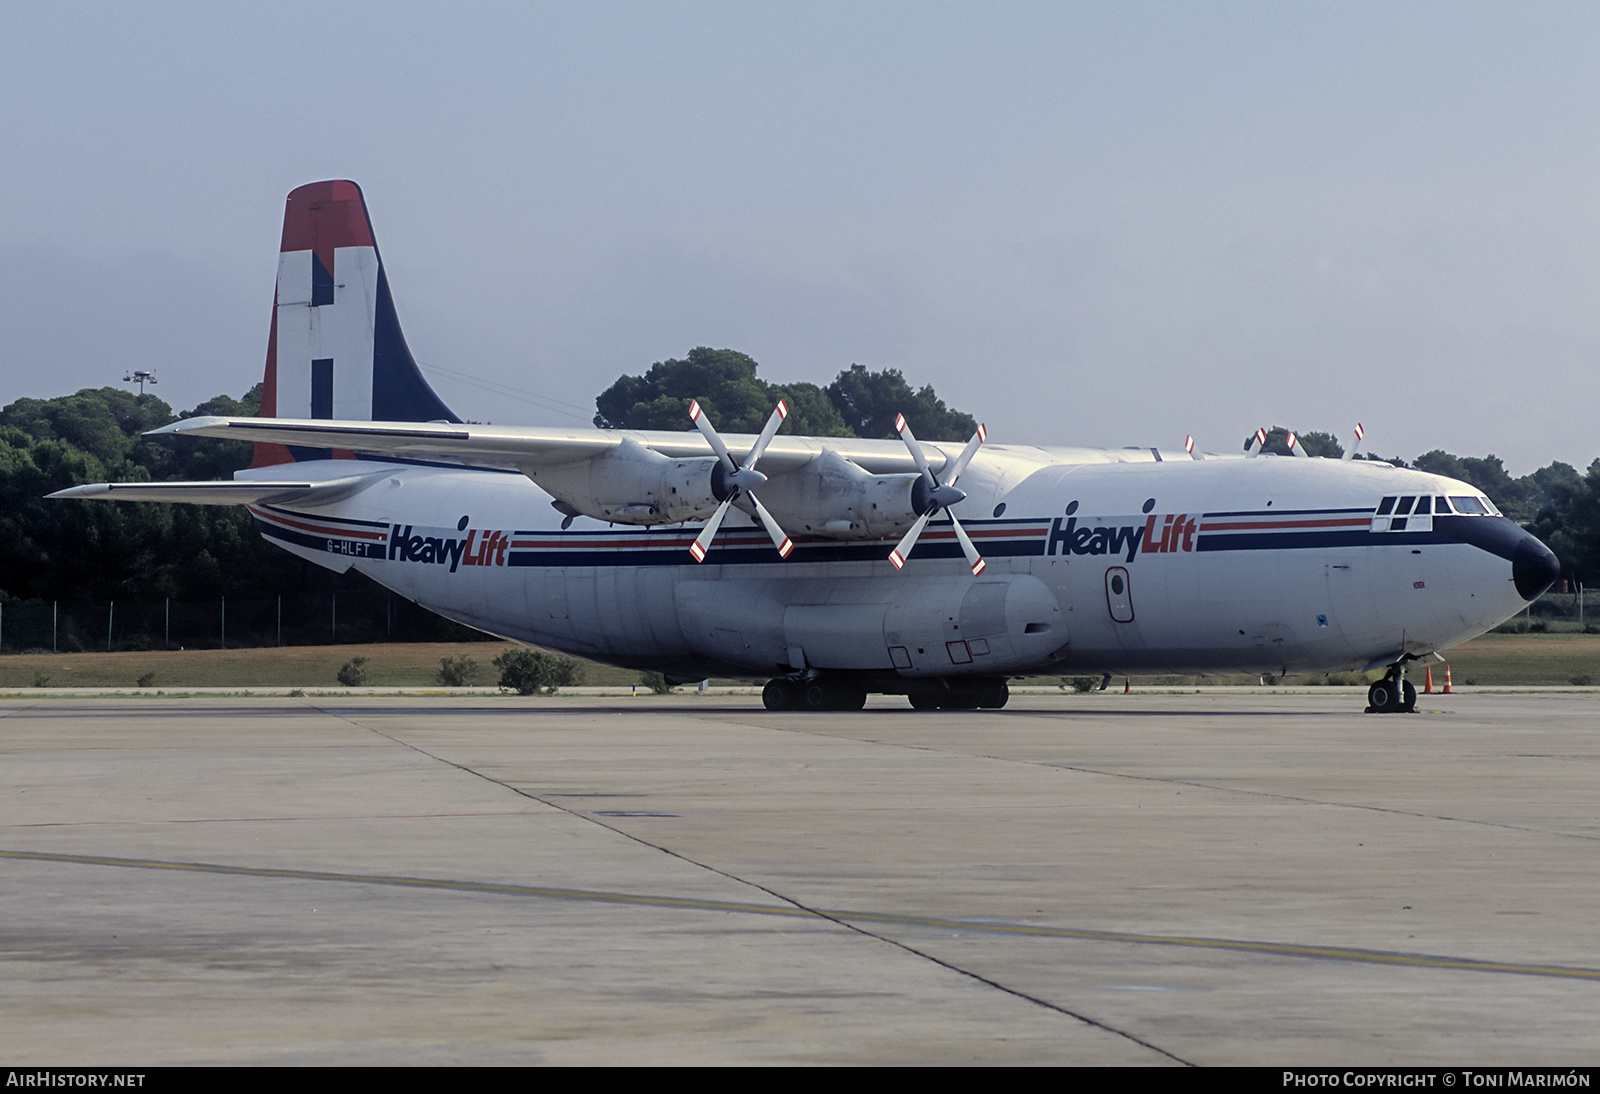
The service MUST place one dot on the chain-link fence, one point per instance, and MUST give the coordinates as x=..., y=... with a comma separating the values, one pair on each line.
x=346, y=616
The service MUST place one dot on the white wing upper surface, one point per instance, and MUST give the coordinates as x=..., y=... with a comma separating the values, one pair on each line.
x=523, y=448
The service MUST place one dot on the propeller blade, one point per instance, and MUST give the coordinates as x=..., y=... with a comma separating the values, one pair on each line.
x=903, y=427
x=767, y=433
x=1351, y=454
x=740, y=477
x=698, y=417
x=782, y=542
x=966, y=455
x=702, y=542
x=939, y=496
x=902, y=549
x=974, y=559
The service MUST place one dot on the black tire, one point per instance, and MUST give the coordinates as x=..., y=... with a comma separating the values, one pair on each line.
x=1380, y=697
x=850, y=697
x=781, y=694
x=995, y=698
x=826, y=694
x=923, y=702
x=1387, y=697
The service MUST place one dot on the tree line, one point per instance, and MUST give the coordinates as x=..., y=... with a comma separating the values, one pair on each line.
x=93, y=552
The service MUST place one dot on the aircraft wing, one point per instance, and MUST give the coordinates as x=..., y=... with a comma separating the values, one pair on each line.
x=503, y=446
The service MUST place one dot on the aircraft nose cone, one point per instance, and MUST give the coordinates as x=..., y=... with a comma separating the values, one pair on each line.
x=1534, y=567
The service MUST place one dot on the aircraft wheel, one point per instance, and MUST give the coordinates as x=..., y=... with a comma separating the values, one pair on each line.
x=818, y=696
x=781, y=694
x=850, y=697
x=1380, y=698
x=1387, y=697
x=923, y=702
x=834, y=695
x=995, y=698
x=961, y=701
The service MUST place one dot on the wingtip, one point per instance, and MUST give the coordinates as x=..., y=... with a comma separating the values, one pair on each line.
x=89, y=490
x=207, y=422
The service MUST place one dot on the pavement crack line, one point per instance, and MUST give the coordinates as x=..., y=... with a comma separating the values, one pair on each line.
x=799, y=906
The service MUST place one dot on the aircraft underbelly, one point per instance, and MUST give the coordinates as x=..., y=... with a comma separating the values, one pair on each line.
x=953, y=625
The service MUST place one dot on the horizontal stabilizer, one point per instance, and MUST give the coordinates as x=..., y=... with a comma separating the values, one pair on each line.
x=238, y=492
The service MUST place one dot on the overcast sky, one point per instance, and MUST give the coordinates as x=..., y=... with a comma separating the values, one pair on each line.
x=1098, y=224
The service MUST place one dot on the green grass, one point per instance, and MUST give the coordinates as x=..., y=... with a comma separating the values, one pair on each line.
x=395, y=664
x=1494, y=660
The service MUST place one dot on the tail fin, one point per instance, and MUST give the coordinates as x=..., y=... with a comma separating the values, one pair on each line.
x=335, y=350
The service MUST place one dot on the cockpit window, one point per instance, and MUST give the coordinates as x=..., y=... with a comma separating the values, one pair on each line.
x=1385, y=507
x=1441, y=505
x=1423, y=504
x=1472, y=507
x=1404, y=507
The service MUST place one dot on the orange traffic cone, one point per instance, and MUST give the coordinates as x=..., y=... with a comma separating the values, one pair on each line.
x=1427, y=685
x=1448, y=690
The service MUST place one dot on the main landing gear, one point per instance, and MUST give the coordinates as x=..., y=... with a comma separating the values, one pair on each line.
x=990, y=695
x=819, y=693
x=1392, y=695
x=844, y=691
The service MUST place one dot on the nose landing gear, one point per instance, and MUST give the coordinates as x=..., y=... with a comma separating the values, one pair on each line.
x=1392, y=695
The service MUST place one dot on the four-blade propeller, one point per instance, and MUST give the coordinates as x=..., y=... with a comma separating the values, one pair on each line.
x=730, y=479
x=929, y=495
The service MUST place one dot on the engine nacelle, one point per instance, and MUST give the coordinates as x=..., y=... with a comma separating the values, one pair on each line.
x=632, y=485
x=830, y=496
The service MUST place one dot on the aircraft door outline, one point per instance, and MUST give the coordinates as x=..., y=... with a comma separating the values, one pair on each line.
x=1119, y=595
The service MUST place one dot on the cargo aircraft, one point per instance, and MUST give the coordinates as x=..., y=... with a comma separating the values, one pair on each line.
x=836, y=567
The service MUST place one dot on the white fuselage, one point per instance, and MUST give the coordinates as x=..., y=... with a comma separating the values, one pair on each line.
x=1175, y=565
